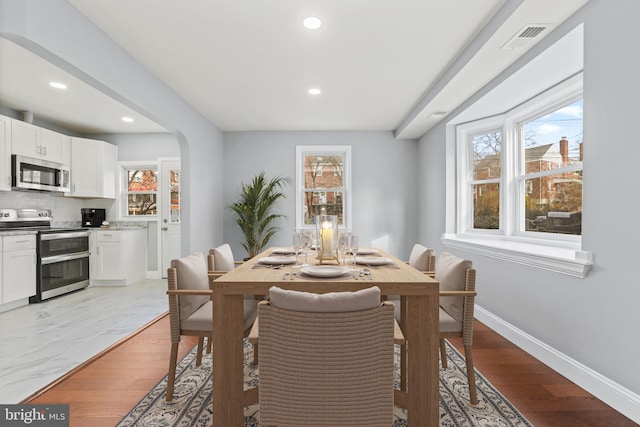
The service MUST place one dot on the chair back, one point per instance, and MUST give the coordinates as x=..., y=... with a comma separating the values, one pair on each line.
x=221, y=258
x=422, y=258
x=326, y=368
x=191, y=273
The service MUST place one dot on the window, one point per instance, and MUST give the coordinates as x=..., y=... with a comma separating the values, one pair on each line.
x=323, y=184
x=519, y=182
x=141, y=190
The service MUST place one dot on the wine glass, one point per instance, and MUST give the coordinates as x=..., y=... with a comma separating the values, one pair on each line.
x=343, y=245
x=305, y=245
x=354, y=248
x=297, y=242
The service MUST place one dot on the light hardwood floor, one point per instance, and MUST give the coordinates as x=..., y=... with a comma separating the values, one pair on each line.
x=102, y=391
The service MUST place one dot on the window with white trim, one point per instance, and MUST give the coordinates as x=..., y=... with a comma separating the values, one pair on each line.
x=519, y=182
x=140, y=192
x=323, y=184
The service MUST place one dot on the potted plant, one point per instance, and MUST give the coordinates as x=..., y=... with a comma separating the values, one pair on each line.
x=254, y=211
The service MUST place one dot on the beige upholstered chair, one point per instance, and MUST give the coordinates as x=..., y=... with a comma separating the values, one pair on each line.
x=191, y=307
x=326, y=359
x=423, y=259
x=457, y=279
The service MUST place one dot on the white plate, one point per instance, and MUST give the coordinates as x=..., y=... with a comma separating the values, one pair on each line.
x=373, y=260
x=366, y=251
x=285, y=251
x=278, y=260
x=325, y=270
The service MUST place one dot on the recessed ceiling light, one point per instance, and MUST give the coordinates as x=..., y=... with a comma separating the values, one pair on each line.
x=312, y=23
x=314, y=91
x=127, y=119
x=58, y=85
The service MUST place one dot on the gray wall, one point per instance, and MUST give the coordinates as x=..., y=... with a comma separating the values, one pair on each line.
x=384, y=188
x=593, y=320
x=87, y=53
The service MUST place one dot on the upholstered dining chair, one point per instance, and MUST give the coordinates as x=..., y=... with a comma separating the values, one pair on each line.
x=423, y=259
x=191, y=308
x=325, y=359
x=457, y=279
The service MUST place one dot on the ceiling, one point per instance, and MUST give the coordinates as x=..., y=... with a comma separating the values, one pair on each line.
x=247, y=64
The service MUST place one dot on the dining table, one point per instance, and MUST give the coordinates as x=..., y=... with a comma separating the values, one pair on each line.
x=419, y=396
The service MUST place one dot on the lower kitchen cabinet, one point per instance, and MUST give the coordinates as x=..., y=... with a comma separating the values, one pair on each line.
x=118, y=257
x=19, y=262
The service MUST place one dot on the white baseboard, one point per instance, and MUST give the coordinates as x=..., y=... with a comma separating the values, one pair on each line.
x=613, y=394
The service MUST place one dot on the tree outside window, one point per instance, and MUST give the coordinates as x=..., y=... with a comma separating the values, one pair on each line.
x=142, y=191
x=323, y=184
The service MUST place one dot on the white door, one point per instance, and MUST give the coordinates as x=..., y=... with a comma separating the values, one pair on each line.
x=169, y=212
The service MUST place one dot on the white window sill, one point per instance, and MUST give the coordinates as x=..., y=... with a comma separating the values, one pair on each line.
x=564, y=260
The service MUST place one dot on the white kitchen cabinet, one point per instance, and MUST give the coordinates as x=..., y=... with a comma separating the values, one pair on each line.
x=5, y=153
x=93, y=168
x=118, y=257
x=33, y=141
x=18, y=267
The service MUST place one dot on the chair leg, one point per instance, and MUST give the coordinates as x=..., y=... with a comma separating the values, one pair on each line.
x=468, y=355
x=200, y=348
x=255, y=354
x=403, y=347
x=209, y=345
x=173, y=360
x=443, y=353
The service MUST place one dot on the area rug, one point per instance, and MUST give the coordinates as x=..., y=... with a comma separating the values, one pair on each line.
x=192, y=398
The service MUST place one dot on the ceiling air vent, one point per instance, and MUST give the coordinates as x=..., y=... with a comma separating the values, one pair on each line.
x=527, y=36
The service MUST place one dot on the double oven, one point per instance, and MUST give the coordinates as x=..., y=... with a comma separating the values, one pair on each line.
x=62, y=253
x=63, y=262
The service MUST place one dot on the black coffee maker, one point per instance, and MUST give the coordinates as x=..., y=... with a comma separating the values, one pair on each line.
x=92, y=217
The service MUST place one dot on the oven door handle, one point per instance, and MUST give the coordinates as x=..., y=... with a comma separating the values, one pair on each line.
x=62, y=258
x=71, y=235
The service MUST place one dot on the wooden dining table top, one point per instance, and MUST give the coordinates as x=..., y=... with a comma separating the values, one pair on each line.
x=394, y=278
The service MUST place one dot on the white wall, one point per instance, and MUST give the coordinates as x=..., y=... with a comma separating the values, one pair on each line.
x=87, y=53
x=383, y=170
x=591, y=321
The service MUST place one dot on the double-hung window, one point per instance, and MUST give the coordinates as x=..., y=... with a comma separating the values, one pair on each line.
x=519, y=183
x=140, y=195
x=323, y=181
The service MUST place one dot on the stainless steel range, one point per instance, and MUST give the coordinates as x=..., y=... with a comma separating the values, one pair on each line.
x=63, y=253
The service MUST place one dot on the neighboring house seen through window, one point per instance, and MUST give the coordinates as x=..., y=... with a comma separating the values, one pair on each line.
x=323, y=184
x=519, y=181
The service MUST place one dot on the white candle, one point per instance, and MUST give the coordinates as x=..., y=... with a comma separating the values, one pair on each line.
x=326, y=235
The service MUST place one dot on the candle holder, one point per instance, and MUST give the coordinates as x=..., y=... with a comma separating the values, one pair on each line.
x=327, y=228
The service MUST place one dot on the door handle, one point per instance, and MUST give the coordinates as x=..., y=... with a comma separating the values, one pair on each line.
x=164, y=228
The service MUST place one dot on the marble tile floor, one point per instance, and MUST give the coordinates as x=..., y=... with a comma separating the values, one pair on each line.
x=41, y=342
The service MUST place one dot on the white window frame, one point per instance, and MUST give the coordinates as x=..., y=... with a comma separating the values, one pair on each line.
x=554, y=252
x=323, y=150
x=125, y=166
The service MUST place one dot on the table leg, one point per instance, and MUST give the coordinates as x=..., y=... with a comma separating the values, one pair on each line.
x=423, y=373
x=228, y=354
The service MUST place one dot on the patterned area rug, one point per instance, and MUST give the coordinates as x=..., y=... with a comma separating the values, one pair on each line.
x=192, y=398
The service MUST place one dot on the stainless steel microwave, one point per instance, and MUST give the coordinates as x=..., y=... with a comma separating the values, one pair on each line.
x=28, y=173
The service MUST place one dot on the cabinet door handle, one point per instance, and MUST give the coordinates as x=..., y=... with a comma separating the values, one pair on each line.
x=98, y=250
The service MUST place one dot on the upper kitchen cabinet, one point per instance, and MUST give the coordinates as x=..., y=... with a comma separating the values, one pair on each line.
x=5, y=153
x=33, y=141
x=93, y=169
